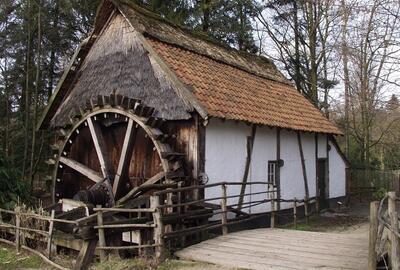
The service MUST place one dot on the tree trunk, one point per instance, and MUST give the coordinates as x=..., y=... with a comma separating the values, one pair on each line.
x=26, y=93
x=346, y=79
x=35, y=96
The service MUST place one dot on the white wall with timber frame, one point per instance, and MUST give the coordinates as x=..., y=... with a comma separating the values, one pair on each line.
x=225, y=159
x=292, y=181
x=225, y=156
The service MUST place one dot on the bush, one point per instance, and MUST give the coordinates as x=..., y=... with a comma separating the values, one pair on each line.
x=12, y=188
x=380, y=193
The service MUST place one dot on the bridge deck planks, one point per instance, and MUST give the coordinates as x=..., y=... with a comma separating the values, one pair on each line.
x=282, y=249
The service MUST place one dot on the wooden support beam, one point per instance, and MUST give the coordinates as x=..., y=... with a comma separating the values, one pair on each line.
x=102, y=237
x=224, y=214
x=303, y=166
x=273, y=209
x=158, y=229
x=85, y=255
x=278, y=168
x=306, y=214
x=17, y=229
x=295, y=213
x=250, y=144
x=82, y=169
x=156, y=178
x=373, y=234
x=101, y=147
x=126, y=154
x=50, y=235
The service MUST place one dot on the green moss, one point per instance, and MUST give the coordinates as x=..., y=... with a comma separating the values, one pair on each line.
x=9, y=259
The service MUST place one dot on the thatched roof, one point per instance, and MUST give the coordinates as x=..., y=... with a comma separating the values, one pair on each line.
x=192, y=72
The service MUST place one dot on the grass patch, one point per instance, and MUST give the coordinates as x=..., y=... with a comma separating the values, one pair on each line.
x=9, y=259
x=175, y=264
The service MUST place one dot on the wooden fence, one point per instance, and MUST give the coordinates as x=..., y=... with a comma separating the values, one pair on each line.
x=384, y=233
x=179, y=212
x=10, y=223
x=363, y=183
x=170, y=219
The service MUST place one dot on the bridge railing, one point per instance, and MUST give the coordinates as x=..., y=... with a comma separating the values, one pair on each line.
x=384, y=233
x=189, y=215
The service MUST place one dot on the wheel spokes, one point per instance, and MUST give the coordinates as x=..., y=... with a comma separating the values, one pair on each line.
x=100, y=146
x=82, y=169
x=126, y=154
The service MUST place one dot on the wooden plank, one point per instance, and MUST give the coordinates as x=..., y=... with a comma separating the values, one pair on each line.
x=100, y=146
x=312, y=240
x=277, y=245
x=150, y=181
x=126, y=154
x=230, y=261
x=85, y=255
x=286, y=251
x=287, y=255
x=308, y=241
x=243, y=258
x=82, y=169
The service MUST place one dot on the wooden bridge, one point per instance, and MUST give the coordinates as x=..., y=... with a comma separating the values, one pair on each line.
x=282, y=249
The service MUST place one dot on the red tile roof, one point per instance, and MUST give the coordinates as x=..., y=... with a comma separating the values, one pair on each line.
x=231, y=93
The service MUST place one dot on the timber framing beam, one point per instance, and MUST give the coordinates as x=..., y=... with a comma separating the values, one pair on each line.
x=303, y=165
x=250, y=144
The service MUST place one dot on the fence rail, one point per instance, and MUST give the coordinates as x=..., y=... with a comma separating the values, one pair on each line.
x=19, y=230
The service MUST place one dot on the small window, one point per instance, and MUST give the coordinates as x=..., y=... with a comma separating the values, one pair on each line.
x=272, y=166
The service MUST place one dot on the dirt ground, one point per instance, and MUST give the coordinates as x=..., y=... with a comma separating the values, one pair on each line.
x=352, y=220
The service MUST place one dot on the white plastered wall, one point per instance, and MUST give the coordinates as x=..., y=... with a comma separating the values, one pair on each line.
x=322, y=145
x=226, y=157
x=337, y=173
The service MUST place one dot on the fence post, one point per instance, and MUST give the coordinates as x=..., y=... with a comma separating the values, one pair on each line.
x=158, y=229
x=273, y=211
x=394, y=224
x=102, y=237
x=50, y=236
x=17, y=230
x=295, y=213
x=306, y=209
x=373, y=233
x=224, y=209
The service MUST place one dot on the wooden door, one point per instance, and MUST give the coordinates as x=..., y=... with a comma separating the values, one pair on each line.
x=323, y=182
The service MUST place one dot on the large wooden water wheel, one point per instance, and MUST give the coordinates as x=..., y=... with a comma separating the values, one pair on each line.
x=113, y=150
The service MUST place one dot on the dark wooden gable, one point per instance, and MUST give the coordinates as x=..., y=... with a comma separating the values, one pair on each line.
x=118, y=63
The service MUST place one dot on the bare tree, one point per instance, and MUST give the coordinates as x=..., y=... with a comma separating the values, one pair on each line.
x=302, y=34
x=370, y=49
